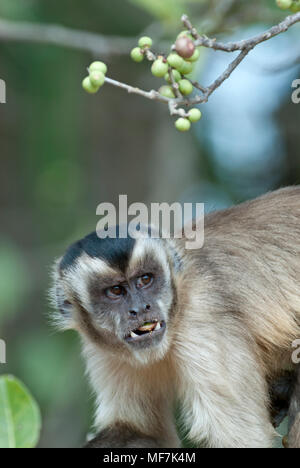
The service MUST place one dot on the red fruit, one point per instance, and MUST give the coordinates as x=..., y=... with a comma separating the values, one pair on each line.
x=184, y=47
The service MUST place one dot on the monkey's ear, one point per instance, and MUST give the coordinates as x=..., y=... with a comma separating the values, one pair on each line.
x=175, y=255
x=63, y=307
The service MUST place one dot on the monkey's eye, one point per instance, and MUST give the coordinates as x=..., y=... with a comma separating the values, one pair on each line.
x=115, y=291
x=144, y=280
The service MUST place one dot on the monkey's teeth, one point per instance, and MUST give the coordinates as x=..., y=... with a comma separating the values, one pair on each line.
x=157, y=326
x=133, y=335
x=147, y=327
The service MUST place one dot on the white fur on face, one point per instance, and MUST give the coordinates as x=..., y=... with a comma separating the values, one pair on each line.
x=85, y=267
x=74, y=281
x=153, y=247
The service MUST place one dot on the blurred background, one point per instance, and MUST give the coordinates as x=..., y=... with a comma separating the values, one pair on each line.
x=63, y=152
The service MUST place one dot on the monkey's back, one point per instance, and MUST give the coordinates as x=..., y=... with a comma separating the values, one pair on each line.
x=251, y=262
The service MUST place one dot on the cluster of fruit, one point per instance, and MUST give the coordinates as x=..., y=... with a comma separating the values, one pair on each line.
x=173, y=69
x=293, y=5
x=96, y=78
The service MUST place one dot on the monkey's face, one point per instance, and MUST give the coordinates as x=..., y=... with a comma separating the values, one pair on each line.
x=117, y=291
x=132, y=303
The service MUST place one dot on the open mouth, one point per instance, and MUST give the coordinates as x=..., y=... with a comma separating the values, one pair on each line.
x=147, y=330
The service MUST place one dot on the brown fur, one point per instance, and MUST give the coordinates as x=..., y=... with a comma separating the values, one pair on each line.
x=230, y=330
x=252, y=252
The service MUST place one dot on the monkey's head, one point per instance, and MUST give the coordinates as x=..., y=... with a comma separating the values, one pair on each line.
x=119, y=293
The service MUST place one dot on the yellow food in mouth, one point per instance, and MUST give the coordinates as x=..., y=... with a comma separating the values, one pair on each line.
x=148, y=326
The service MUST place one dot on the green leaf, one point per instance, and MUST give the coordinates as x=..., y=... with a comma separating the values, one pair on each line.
x=20, y=419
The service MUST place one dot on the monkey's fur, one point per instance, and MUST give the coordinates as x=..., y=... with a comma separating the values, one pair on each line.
x=294, y=415
x=230, y=312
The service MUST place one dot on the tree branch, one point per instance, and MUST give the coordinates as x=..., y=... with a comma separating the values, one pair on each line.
x=109, y=45
x=244, y=44
x=17, y=31
x=226, y=74
x=153, y=95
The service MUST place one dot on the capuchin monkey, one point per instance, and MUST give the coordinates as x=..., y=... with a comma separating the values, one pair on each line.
x=208, y=329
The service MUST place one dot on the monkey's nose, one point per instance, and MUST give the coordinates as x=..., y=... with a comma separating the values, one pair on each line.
x=135, y=311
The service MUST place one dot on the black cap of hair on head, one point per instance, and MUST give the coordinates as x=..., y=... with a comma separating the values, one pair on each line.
x=116, y=251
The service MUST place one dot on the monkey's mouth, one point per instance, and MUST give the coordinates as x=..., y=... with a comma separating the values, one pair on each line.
x=147, y=331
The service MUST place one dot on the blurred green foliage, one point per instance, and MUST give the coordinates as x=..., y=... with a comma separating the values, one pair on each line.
x=15, y=279
x=168, y=11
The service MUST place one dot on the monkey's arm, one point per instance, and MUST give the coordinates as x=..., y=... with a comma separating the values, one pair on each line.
x=121, y=435
x=226, y=401
x=294, y=416
x=134, y=406
x=128, y=435
x=281, y=391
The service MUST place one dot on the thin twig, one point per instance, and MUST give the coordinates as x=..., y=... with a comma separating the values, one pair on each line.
x=246, y=43
x=174, y=110
x=22, y=31
x=175, y=86
x=151, y=56
x=53, y=34
x=198, y=86
x=244, y=47
x=226, y=74
x=153, y=95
